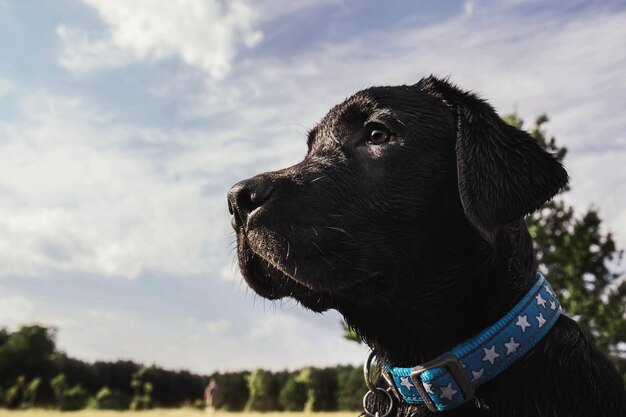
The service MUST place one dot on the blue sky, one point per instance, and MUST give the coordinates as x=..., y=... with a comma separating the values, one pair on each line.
x=123, y=124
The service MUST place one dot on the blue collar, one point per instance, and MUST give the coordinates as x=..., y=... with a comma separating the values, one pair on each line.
x=450, y=380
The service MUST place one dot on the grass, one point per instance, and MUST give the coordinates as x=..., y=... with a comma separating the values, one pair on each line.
x=178, y=412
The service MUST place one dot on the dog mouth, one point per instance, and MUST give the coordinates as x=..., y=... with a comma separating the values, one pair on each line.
x=259, y=274
x=275, y=272
x=267, y=279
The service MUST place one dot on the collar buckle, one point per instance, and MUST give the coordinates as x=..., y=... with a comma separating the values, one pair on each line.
x=453, y=364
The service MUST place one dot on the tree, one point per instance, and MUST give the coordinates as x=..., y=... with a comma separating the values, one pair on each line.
x=349, y=333
x=581, y=261
x=30, y=392
x=68, y=398
x=350, y=387
x=14, y=395
x=4, y=336
x=108, y=399
x=321, y=384
x=234, y=390
x=27, y=352
x=293, y=394
x=264, y=390
x=142, y=389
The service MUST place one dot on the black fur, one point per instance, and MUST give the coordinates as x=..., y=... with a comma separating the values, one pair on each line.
x=419, y=242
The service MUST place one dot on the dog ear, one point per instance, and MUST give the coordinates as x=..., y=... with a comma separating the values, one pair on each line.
x=503, y=173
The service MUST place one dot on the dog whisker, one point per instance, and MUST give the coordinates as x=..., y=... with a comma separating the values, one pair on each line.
x=338, y=229
x=323, y=255
x=318, y=248
x=328, y=262
x=340, y=256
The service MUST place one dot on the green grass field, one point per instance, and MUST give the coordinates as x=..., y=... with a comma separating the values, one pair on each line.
x=181, y=412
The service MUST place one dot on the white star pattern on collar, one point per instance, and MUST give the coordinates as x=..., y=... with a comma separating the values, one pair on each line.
x=405, y=383
x=552, y=305
x=478, y=374
x=511, y=347
x=522, y=321
x=540, y=301
x=490, y=354
x=448, y=392
x=428, y=387
x=547, y=287
x=541, y=320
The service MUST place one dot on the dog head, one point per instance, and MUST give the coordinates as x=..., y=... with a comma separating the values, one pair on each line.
x=396, y=179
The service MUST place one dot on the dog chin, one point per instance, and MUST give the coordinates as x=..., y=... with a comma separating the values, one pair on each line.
x=267, y=271
x=260, y=283
x=269, y=282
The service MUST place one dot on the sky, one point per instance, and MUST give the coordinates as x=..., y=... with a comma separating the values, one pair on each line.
x=123, y=124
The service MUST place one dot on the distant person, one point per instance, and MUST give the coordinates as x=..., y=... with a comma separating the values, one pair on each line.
x=210, y=397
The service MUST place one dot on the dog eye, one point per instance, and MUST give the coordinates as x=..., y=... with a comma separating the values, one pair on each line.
x=378, y=137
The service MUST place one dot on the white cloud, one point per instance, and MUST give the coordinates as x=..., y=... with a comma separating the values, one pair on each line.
x=76, y=197
x=601, y=187
x=268, y=327
x=202, y=33
x=15, y=311
x=301, y=342
x=468, y=7
x=273, y=9
x=6, y=87
x=216, y=327
x=72, y=198
x=84, y=52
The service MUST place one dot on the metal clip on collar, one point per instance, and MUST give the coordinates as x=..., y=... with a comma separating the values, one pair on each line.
x=374, y=390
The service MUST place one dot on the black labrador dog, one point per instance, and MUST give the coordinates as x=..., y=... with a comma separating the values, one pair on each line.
x=406, y=216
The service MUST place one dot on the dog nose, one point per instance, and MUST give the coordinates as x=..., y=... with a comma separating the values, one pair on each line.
x=248, y=195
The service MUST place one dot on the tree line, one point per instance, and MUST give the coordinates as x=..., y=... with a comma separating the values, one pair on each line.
x=33, y=373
